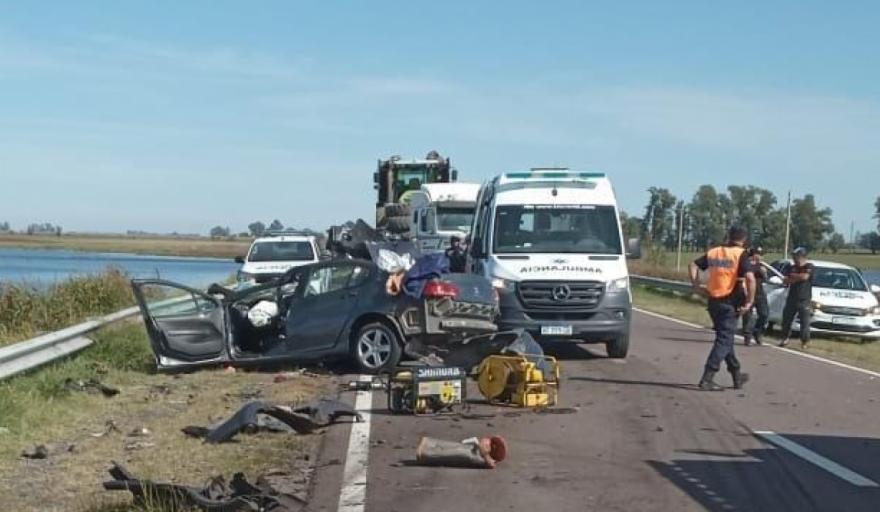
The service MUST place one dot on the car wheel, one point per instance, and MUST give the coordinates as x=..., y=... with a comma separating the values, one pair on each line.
x=618, y=347
x=397, y=225
x=376, y=347
x=397, y=210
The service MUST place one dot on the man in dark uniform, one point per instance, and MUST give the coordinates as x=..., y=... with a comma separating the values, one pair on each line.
x=755, y=319
x=456, y=255
x=728, y=268
x=799, y=279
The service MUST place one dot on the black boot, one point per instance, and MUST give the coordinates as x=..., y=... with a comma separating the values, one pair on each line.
x=739, y=379
x=707, y=383
x=758, y=340
x=747, y=340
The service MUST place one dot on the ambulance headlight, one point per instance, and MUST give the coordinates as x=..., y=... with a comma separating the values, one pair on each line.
x=618, y=285
x=499, y=283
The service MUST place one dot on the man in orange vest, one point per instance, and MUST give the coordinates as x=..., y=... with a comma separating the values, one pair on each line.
x=730, y=290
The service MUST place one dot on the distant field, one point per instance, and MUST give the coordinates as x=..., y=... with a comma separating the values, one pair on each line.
x=171, y=246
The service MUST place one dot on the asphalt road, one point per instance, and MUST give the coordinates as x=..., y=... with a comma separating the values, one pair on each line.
x=642, y=438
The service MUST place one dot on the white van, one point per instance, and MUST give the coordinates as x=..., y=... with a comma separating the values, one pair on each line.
x=271, y=256
x=550, y=241
x=843, y=303
x=440, y=211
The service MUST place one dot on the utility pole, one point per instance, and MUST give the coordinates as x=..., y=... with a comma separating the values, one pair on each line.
x=852, y=236
x=680, y=236
x=787, y=225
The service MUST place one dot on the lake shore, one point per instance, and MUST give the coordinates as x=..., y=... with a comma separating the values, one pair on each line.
x=167, y=246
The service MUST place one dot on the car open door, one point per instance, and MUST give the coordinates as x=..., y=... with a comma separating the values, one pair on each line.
x=186, y=326
x=776, y=293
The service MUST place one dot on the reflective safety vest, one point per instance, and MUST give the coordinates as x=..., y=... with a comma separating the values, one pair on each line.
x=723, y=270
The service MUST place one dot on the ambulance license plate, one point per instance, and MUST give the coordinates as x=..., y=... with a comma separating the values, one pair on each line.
x=556, y=330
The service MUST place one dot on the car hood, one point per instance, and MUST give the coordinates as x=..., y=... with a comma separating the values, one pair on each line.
x=559, y=267
x=271, y=267
x=844, y=298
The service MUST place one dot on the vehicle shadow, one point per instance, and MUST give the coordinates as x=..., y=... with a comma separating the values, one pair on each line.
x=775, y=479
x=574, y=351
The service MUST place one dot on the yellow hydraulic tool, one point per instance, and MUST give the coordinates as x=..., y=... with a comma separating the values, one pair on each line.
x=524, y=381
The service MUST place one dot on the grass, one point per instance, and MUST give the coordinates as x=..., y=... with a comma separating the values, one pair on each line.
x=170, y=246
x=26, y=311
x=864, y=354
x=37, y=408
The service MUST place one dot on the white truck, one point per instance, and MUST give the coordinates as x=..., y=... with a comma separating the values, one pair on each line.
x=440, y=211
x=550, y=241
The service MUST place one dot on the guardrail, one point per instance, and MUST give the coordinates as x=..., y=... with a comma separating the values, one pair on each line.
x=26, y=355
x=682, y=287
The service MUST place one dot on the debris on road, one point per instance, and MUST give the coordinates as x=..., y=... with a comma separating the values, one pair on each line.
x=302, y=420
x=426, y=389
x=93, y=386
x=238, y=495
x=38, y=452
x=474, y=452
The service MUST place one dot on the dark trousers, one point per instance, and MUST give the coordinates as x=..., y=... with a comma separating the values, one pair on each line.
x=804, y=312
x=755, y=319
x=724, y=320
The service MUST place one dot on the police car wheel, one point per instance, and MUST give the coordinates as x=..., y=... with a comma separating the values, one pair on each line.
x=375, y=348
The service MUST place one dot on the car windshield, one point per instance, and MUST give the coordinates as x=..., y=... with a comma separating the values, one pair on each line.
x=838, y=279
x=455, y=219
x=281, y=251
x=556, y=229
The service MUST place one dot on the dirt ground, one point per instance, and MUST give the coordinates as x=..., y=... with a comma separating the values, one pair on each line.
x=141, y=429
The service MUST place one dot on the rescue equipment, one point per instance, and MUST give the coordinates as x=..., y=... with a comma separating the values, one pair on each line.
x=426, y=389
x=519, y=380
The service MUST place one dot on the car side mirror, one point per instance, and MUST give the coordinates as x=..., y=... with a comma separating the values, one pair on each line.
x=239, y=259
x=775, y=281
x=875, y=289
x=633, y=249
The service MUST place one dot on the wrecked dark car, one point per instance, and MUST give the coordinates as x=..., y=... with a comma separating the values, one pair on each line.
x=315, y=312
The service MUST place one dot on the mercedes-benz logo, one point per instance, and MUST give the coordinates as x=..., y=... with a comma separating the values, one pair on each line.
x=561, y=292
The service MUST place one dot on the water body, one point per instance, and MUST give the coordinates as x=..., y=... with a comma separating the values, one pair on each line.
x=43, y=267
x=872, y=276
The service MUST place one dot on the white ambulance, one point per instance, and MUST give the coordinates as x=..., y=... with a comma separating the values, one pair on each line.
x=550, y=241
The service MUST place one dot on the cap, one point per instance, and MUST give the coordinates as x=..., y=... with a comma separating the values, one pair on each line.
x=799, y=251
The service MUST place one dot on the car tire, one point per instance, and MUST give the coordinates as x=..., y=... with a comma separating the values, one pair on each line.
x=618, y=347
x=397, y=225
x=397, y=210
x=375, y=348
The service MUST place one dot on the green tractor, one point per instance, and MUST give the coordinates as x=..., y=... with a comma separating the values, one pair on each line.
x=396, y=178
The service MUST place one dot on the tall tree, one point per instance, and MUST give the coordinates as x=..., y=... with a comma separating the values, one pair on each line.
x=257, y=228
x=836, y=242
x=219, y=232
x=657, y=225
x=276, y=225
x=706, y=218
x=809, y=224
x=877, y=212
x=631, y=226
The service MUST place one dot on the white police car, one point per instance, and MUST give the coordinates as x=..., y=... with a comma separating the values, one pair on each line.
x=271, y=256
x=843, y=302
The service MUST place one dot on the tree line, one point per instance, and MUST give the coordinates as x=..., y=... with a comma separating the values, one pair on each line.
x=255, y=229
x=705, y=218
x=44, y=228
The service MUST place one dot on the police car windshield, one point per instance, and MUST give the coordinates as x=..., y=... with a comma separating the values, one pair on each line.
x=281, y=251
x=556, y=229
x=838, y=279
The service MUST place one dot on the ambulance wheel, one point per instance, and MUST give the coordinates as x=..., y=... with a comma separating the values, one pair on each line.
x=375, y=348
x=618, y=347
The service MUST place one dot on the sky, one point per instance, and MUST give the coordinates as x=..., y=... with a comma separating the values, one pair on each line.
x=179, y=116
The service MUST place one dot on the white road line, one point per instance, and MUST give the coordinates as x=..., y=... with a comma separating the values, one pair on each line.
x=783, y=349
x=814, y=458
x=353, y=496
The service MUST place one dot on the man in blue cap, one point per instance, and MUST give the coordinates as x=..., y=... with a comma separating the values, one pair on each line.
x=799, y=279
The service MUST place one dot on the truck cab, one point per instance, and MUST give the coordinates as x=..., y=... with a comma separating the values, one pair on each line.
x=441, y=211
x=551, y=243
